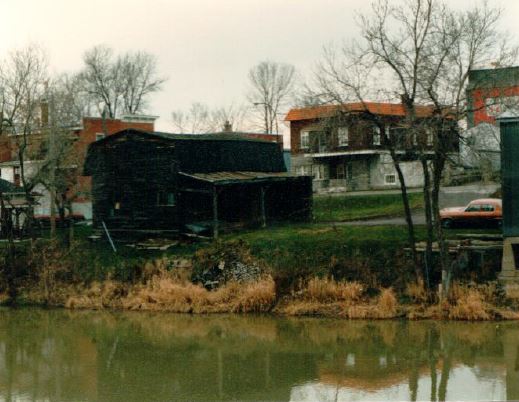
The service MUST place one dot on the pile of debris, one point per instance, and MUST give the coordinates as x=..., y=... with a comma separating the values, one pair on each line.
x=226, y=262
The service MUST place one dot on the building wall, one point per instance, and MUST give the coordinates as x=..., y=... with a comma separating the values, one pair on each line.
x=479, y=98
x=382, y=166
x=87, y=134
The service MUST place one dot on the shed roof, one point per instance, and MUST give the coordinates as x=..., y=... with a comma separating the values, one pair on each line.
x=240, y=177
x=9, y=188
x=384, y=109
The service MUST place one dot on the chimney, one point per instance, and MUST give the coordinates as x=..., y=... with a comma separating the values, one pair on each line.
x=44, y=113
x=227, y=127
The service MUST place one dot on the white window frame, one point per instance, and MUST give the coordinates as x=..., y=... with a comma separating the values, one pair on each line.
x=343, y=136
x=319, y=172
x=390, y=179
x=305, y=140
x=430, y=137
x=376, y=136
x=305, y=170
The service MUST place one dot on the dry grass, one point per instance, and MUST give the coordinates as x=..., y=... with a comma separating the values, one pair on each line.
x=469, y=305
x=326, y=297
x=329, y=291
x=416, y=292
x=165, y=292
x=387, y=304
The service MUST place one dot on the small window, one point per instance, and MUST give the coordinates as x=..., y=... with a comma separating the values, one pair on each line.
x=430, y=137
x=343, y=136
x=349, y=171
x=487, y=208
x=305, y=170
x=305, y=139
x=340, y=171
x=165, y=198
x=376, y=135
x=16, y=176
x=100, y=136
x=390, y=179
x=319, y=172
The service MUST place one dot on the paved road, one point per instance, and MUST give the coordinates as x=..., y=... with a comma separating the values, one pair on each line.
x=449, y=197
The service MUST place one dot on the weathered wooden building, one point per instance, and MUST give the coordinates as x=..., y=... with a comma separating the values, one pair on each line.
x=152, y=181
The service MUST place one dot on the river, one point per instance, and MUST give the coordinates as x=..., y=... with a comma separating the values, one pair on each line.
x=60, y=355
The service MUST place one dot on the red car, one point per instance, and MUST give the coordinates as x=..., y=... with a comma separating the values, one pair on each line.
x=483, y=212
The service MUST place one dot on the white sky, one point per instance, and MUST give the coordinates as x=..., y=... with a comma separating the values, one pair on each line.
x=204, y=47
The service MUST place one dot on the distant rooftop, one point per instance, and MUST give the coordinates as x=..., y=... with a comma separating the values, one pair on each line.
x=385, y=109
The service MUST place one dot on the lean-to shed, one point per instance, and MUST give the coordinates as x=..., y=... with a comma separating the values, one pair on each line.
x=152, y=181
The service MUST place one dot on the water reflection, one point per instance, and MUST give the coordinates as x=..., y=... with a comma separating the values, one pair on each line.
x=62, y=356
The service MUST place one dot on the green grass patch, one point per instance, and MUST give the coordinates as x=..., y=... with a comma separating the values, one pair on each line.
x=371, y=254
x=340, y=208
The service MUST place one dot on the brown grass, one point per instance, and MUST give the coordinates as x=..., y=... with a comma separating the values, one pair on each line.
x=327, y=290
x=416, y=292
x=387, y=304
x=164, y=292
x=470, y=305
x=327, y=297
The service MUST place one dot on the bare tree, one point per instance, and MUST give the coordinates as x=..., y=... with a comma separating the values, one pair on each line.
x=121, y=83
x=201, y=119
x=271, y=85
x=418, y=52
x=22, y=84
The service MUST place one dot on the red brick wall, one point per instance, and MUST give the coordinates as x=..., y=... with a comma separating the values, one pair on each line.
x=478, y=102
x=295, y=134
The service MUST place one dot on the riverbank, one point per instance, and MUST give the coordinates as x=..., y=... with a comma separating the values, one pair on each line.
x=166, y=292
x=295, y=270
x=228, y=277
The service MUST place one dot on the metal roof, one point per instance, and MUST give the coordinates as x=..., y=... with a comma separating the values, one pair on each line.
x=240, y=177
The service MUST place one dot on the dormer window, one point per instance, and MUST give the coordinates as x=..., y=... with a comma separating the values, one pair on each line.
x=343, y=136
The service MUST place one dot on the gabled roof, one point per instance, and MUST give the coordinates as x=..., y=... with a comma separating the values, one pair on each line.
x=383, y=109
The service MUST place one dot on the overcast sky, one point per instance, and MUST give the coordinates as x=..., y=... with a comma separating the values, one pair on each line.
x=204, y=47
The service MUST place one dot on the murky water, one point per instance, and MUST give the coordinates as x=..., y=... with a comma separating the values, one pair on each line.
x=99, y=356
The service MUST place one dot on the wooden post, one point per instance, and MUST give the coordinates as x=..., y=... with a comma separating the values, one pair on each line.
x=215, y=213
x=262, y=206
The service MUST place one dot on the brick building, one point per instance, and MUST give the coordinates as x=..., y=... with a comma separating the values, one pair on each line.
x=342, y=147
x=491, y=92
x=90, y=130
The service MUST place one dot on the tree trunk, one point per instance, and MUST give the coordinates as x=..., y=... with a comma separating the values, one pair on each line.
x=438, y=166
x=9, y=266
x=408, y=217
x=428, y=257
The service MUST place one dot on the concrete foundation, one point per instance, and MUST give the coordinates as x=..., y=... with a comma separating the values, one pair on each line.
x=510, y=264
